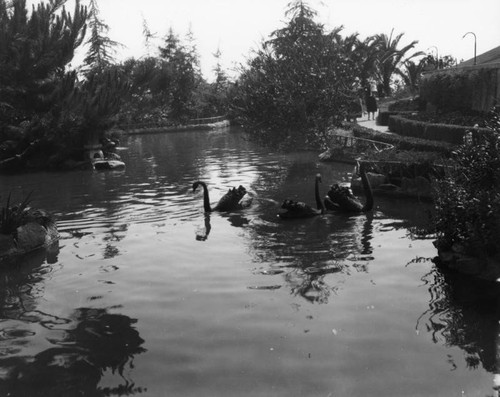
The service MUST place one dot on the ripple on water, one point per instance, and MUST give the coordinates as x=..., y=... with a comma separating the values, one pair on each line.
x=222, y=292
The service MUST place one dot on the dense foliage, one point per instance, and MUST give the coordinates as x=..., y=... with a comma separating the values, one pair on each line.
x=169, y=88
x=46, y=114
x=298, y=83
x=411, y=70
x=101, y=47
x=12, y=216
x=468, y=200
x=390, y=57
x=449, y=91
x=469, y=118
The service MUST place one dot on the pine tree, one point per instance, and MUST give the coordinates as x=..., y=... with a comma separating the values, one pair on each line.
x=35, y=50
x=220, y=75
x=148, y=35
x=182, y=67
x=100, y=54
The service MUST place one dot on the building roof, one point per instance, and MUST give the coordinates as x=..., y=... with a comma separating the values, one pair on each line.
x=491, y=56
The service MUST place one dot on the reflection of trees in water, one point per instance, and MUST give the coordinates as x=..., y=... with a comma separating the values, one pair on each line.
x=311, y=250
x=115, y=235
x=99, y=342
x=83, y=348
x=112, y=236
x=310, y=282
x=463, y=312
x=21, y=282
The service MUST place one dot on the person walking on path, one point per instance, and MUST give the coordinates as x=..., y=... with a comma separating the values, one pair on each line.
x=371, y=105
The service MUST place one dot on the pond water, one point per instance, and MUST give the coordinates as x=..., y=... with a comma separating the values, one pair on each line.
x=148, y=295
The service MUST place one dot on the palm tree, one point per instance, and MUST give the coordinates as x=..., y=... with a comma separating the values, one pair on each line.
x=369, y=53
x=390, y=57
x=411, y=73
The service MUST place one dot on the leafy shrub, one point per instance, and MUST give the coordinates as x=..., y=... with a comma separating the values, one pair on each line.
x=468, y=119
x=383, y=116
x=467, y=200
x=439, y=132
x=450, y=90
x=403, y=142
x=11, y=217
x=407, y=105
x=297, y=84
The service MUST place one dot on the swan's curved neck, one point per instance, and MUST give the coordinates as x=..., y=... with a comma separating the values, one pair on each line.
x=206, y=198
x=319, y=203
x=367, y=189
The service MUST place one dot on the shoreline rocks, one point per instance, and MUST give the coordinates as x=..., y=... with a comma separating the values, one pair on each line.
x=37, y=231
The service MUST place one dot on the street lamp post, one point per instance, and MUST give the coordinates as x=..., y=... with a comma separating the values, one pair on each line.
x=437, y=55
x=475, y=41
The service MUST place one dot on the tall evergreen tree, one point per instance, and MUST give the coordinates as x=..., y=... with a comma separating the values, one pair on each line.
x=148, y=35
x=100, y=54
x=182, y=63
x=220, y=75
x=298, y=84
x=45, y=107
x=35, y=49
x=217, y=93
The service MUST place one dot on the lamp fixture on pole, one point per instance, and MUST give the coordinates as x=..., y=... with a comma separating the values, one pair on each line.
x=475, y=42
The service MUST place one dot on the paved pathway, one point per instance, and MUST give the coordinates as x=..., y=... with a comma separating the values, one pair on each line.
x=364, y=122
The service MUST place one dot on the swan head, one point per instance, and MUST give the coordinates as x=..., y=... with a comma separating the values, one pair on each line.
x=196, y=184
x=242, y=190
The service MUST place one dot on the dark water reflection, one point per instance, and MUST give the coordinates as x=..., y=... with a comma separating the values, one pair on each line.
x=464, y=312
x=84, y=345
x=148, y=295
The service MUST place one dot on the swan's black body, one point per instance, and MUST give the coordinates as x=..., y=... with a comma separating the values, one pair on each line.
x=298, y=209
x=342, y=200
x=231, y=201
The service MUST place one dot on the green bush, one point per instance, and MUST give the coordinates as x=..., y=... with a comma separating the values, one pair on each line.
x=467, y=200
x=439, y=132
x=383, y=116
x=407, y=105
x=11, y=217
x=402, y=142
x=450, y=90
x=297, y=84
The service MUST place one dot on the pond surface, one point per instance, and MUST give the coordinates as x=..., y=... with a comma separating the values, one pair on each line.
x=148, y=295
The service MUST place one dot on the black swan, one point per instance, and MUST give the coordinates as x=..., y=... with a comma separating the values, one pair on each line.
x=341, y=199
x=231, y=201
x=298, y=209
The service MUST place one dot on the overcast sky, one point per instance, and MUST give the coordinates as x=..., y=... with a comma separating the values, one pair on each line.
x=237, y=26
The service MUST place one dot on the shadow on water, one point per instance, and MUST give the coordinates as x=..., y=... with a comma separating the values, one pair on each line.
x=296, y=250
x=87, y=344
x=235, y=219
x=465, y=312
x=123, y=216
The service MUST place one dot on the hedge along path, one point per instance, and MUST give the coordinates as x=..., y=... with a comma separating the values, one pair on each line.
x=437, y=132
